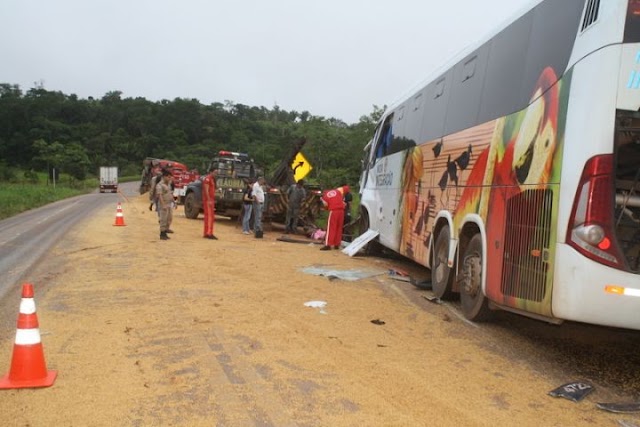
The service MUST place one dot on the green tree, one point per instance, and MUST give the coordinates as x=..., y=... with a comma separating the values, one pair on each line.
x=75, y=161
x=42, y=128
x=49, y=155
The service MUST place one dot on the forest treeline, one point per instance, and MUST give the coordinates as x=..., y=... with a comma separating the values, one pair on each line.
x=42, y=129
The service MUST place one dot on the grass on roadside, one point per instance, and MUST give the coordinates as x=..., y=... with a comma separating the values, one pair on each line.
x=16, y=198
x=35, y=191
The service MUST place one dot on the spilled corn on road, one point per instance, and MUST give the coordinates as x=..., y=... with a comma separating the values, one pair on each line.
x=194, y=332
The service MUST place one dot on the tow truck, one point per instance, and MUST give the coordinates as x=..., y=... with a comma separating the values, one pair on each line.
x=234, y=171
x=181, y=175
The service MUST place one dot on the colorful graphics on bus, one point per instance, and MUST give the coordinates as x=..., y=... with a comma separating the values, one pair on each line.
x=505, y=171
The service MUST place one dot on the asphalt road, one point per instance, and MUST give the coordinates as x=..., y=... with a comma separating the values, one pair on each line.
x=26, y=238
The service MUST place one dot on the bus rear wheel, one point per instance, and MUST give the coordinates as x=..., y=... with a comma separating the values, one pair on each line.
x=442, y=277
x=475, y=305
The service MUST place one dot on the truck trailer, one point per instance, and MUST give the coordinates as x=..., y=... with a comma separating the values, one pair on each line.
x=108, y=179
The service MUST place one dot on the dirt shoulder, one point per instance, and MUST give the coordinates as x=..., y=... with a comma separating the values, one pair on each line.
x=198, y=332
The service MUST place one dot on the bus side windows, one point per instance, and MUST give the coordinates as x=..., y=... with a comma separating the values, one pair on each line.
x=385, y=141
x=384, y=138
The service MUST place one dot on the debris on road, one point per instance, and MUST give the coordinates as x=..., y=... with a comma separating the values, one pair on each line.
x=622, y=408
x=395, y=273
x=575, y=391
x=360, y=242
x=291, y=240
x=398, y=275
x=317, y=304
x=419, y=282
x=378, y=322
x=351, y=275
x=424, y=284
x=432, y=299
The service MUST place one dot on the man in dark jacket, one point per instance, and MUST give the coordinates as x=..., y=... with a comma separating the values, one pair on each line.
x=296, y=195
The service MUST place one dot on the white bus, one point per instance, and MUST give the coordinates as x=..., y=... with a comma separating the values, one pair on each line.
x=514, y=174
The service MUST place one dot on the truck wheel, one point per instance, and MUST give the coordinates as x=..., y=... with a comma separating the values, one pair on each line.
x=442, y=274
x=191, y=208
x=475, y=305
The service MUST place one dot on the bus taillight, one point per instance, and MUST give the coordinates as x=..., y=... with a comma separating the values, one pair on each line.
x=590, y=229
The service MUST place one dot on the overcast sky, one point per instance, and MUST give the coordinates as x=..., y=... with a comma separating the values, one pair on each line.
x=333, y=58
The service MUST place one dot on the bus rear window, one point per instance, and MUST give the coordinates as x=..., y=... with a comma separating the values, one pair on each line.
x=632, y=25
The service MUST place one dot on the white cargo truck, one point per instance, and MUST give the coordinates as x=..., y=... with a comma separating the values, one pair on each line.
x=108, y=179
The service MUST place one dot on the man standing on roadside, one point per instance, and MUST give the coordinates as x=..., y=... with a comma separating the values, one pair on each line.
x=333, y=200
x=209, y=203
x=153, y=198
x=258, y=203
x=296, y=195
x=165, y=204
x=247, y=206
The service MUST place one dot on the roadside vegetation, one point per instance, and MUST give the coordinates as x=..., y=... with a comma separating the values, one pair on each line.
x=41, y=130
x=22, y=190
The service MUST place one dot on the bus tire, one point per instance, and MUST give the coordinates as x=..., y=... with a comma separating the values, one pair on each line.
x=475, y=305
x=442, y=274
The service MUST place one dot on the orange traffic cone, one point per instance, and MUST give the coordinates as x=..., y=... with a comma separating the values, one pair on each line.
x=28, y=368
x=119, y=216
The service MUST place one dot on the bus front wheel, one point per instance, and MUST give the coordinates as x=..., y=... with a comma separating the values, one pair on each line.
x=475, y=305
x=442, y=277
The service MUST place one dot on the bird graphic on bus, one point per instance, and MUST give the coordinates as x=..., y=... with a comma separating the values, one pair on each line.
x=437, y=149
x=463, y=159
x=515, y=153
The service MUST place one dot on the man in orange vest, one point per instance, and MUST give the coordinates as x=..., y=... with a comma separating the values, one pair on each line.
x=333, y=200
x=209, y=203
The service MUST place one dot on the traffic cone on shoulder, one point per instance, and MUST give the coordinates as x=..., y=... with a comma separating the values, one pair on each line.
x=119, y=216
x=28, y=368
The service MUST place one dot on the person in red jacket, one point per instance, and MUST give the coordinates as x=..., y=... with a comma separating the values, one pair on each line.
x=333, y=201
x=208, y=203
